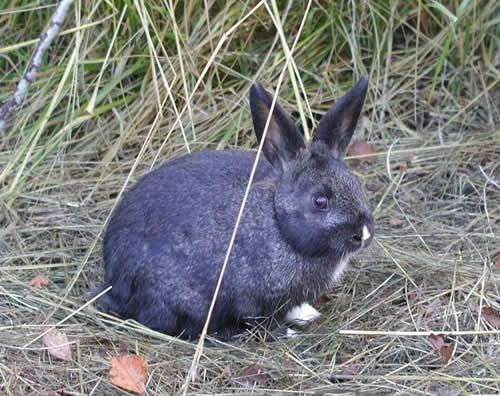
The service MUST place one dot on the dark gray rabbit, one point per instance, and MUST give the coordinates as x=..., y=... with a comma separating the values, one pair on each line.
x=305, y=216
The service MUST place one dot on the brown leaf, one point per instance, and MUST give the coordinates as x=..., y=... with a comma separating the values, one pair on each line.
x=252, y=375
x=446, y=351
x=39, y=281
x=129, y=372
x=57, y=344
x=395, y=222
x=491, y=316
x=437, y=340
x=323, y=299
x=363, y=148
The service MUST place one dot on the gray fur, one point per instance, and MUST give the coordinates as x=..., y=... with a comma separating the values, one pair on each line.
x=166, y=242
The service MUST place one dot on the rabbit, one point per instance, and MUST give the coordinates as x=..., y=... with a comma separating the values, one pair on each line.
x=304, y=218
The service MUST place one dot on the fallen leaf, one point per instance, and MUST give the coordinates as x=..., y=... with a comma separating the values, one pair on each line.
x=363, y=148
x=446, y=351
x=57, y=344
x=394, y=222
x=252, y=375
x=324, y=299
x=129, y=372
x=491, y=316
x=437, y=340
x=39, y=281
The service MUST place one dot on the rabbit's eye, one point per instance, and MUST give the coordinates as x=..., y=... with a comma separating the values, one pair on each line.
x=320, y=201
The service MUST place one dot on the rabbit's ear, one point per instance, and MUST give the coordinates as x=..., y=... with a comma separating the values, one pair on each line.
x=338, y=124
x=283, y=140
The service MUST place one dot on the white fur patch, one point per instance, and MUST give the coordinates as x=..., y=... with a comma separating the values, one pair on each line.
x=366, y=234
x=302, y=315
x=339, y=269
x=291, y=333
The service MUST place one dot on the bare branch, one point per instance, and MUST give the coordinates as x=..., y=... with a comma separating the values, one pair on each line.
x=35, y=61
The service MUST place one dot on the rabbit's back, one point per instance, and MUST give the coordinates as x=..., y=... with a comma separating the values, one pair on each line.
x=166, y=241
x=175, y=198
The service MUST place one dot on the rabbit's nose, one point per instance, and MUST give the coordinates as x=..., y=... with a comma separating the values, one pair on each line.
x=357, y=240
x=362, y=238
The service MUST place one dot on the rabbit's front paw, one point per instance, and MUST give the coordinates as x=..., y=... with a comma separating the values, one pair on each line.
x=302, y=315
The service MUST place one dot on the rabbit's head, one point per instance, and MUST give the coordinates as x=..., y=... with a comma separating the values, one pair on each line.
x=319, y=204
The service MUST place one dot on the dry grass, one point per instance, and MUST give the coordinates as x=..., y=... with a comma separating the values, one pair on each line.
x=144, y=84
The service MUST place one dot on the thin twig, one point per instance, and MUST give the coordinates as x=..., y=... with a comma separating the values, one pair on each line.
x=35, y=61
